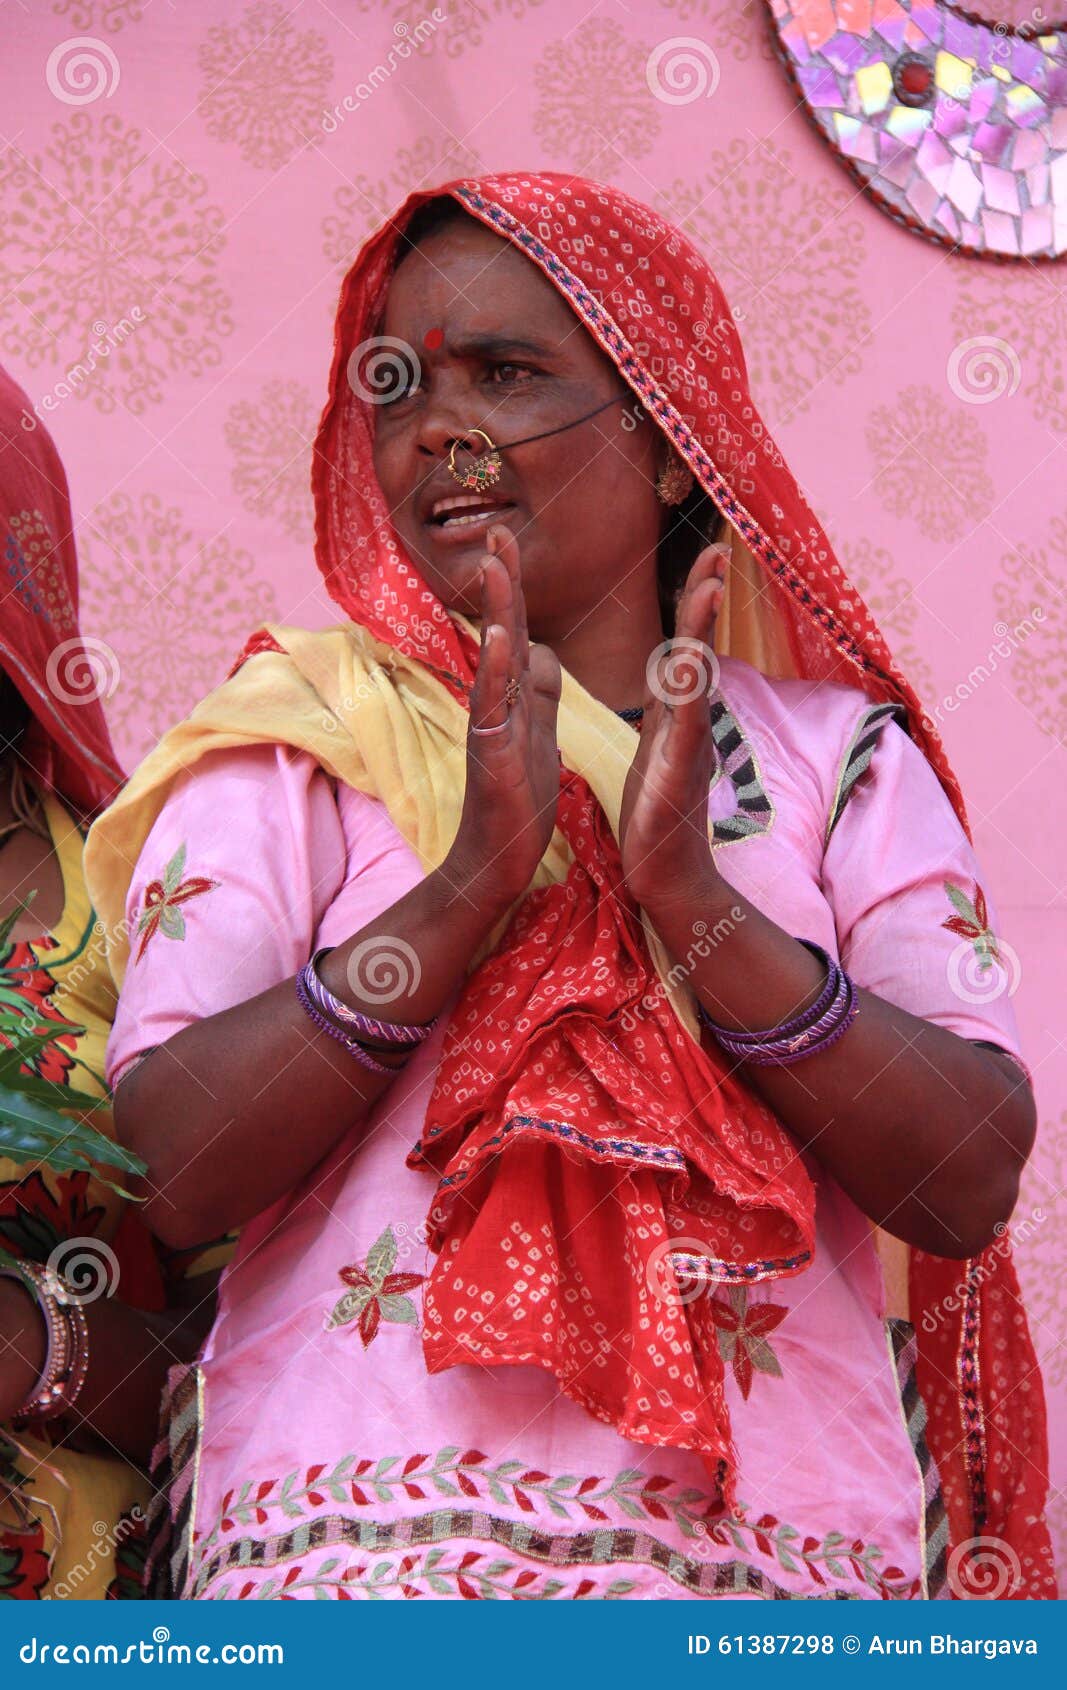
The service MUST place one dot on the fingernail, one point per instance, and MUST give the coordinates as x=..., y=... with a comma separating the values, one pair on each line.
x=490, y=540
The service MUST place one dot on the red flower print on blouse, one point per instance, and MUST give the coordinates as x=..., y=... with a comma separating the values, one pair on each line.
x=742, y=1333
x=163, y=899
x=971, y=921
x=23, y=1565
x=26, y=989
x=37, y=1215
x=375, y=1292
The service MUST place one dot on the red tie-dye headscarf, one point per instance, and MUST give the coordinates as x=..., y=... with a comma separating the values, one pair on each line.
x=651, y=302
x=67, y=745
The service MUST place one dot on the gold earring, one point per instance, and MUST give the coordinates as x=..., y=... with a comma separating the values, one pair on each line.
x=675, y=480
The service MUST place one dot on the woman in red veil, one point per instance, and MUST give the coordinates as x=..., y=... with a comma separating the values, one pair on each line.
x=573, y=973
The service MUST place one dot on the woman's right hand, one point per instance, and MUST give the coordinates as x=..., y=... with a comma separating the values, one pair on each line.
x=509, y=805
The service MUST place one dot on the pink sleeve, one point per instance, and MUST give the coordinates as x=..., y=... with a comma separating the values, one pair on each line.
x=914, y=920
x=243, y=860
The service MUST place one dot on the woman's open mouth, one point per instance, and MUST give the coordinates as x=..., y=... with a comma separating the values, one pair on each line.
x=466, y=516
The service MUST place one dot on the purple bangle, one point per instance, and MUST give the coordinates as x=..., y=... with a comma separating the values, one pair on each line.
x=806, y=1018
x=817, y=1038
x=352, y=1045
x=367, y=1026
x=815, y=1029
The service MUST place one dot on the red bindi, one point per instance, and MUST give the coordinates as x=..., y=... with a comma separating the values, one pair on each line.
x=432, y=339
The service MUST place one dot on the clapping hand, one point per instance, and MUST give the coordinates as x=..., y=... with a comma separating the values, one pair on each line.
x=663, y=824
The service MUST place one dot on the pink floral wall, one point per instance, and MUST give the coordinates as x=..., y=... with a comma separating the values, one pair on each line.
x=181, y=188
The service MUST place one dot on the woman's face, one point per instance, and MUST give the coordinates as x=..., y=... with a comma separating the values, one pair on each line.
x=500, y=350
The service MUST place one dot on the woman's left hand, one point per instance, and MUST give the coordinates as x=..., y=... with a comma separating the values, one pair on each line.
x=663, y=823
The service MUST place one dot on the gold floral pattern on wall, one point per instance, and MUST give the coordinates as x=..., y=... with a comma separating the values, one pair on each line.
x=594, y=107
x=266, y=83
x=360, y=207
x=108, y=15
x=894, y=605
x=930, y=463
x=270, y=438
x=1029, y=601
x=110, y=252
x=466, y=22
x=176, y=607
x=740, y=27
x=1030, y=326
x=799, y=299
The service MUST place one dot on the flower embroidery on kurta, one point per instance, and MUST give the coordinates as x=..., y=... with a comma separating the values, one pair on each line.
x=743, y=1333
x=586, y=1552
x=971, y=921
x=375, y=1292
x=162, y=911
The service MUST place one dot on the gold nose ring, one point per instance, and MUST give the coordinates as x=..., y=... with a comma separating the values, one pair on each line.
x=484, y=471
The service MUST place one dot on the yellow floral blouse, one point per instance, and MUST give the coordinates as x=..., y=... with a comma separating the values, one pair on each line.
x=71, y=1523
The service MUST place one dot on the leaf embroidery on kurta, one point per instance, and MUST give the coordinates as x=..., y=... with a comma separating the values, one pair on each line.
x=971, y=921
x=375, y=1292
x=742, y=1333
x=163, y=899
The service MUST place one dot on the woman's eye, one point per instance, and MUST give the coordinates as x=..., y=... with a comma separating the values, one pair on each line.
x=526, y=368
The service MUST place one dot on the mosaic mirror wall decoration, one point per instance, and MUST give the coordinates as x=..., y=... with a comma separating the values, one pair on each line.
x=953, y=121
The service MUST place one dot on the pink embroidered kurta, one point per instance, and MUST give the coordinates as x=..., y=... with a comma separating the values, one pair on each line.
x=328, y=1461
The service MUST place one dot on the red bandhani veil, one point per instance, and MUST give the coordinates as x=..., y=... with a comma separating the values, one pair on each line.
x=67, y=744
x=652, y=303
